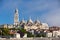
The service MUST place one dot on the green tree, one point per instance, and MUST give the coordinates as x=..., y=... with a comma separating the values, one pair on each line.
x=29, y=34
x=5, y=31
x=42, y=34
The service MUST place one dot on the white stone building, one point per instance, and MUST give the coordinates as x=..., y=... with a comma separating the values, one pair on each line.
x=35, y=25
x=56, y=33
x=49, y=34
x=29, y=24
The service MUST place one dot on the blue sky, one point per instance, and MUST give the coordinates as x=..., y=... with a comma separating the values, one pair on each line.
x=47, y=11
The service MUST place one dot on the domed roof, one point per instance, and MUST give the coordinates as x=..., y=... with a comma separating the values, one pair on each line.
x=37, y=21
x=45, y=24
x=23, y=21
x=30, y=21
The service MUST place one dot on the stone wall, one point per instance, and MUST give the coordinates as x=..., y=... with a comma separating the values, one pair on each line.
x=30, y=39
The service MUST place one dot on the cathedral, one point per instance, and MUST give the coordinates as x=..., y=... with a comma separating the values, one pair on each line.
x=33, y=27
x=29, y=24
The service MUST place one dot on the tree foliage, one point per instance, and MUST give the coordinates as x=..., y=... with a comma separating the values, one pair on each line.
x=29, y=34
x=5, y=31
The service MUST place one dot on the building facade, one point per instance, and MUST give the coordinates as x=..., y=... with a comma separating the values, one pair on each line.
x=16, y=18
x=29, y=24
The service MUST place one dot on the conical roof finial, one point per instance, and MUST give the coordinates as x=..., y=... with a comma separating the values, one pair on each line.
x=37, y=21
x=30, y=20
x=23, y=20
x=16, y=10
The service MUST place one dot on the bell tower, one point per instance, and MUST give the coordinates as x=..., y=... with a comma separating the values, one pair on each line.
x=16, y=17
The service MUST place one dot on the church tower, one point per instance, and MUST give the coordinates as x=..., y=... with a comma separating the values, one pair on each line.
x=16, y=17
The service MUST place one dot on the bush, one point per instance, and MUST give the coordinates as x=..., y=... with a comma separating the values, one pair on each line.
x=29, y=34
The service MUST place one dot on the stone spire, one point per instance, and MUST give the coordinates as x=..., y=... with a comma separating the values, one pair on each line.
x=16, y=17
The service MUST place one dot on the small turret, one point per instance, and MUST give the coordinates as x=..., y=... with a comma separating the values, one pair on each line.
x=37, y=21
x=23, y=21
x=30, y=20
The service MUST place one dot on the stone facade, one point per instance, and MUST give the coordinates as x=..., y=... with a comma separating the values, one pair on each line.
x=37, y=25
x=16, y=18
x=29, y=24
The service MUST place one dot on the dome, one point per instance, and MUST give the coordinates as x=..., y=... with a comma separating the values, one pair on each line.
x=30, y=21
x=23, y=21
x=37, y=21
x=45, y=24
